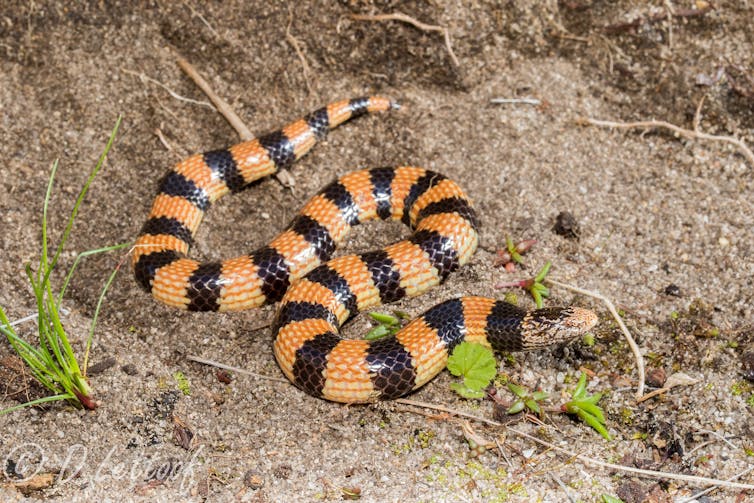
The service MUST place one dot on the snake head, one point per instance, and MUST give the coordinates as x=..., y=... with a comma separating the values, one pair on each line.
x=554, y=325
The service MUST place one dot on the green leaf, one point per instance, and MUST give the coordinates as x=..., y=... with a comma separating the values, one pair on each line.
x=580, y=387
x=542, y=273
x=589, y=408
x=537, y=298
x=465, y=391
x=377, y=332
x=517, y=390
x=512, y=250
x=517, y=407
x=593, y=422
x=384, y=319
x=585, y=407
x=533, y=406
x=606, y=498
x=475, y=363
x=539, y=395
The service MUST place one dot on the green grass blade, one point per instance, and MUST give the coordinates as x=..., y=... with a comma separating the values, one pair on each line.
x=43, y=323
x=56, y=337
x=592, y=410
x=23, y=347
x=81, y=256
x=594, y=423
x=44, y=267
x=80, y=198
x=53, y=398
x=99, y=305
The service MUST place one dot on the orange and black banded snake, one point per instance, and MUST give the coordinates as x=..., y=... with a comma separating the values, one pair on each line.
x=317, y=293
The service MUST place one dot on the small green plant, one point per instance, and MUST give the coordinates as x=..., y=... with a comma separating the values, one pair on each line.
x=183, y=383
x=585, y=407
x=526, y=399
x=738, y=388
x=588, y=340
x=386, y=324
x=477, y=365
x=53, y=362
x=534, y=286
x=581, y=404
x=512, y=254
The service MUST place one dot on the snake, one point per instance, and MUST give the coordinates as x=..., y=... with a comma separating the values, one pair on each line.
x=317, y=294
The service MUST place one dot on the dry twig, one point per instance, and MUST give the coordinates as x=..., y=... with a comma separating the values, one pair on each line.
x=398, y=16
x=146, y=78
x=296, y=47
x=221, y=105
x=638, y=471
x=686, y=133
x=562, y=486
x=619, y=320
x=202, y=19
x=163, y=140
x=415, y=403
x=219, y=365
x=675, y=380
x=515, y=101
x=695, y=497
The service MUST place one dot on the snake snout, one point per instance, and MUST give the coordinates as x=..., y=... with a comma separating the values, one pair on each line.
x=581, y=319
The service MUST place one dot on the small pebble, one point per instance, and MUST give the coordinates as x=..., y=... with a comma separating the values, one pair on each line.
x=747, y=364
x=130, y=369
x=223, y=376
x=101, y=366
x=656, y=377
x=253, y=479
x=566, y=225
x=673, y=289
x=283, y=472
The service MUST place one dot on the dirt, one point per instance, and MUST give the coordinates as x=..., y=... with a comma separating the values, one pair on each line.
x=665, y=230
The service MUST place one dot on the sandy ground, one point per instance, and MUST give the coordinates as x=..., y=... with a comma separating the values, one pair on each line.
x=665, y=231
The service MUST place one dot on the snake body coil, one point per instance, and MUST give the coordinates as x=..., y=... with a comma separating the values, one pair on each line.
x=318, y=293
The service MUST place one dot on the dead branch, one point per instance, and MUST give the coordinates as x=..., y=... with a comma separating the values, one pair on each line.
x=222, y=106
x=398, y=16
x=296, y=47
x=145, y=78
x=614, y=312
x=524, y=101
x=686, y=133
x=211, y=363
x=638, y=471
x=202, y=19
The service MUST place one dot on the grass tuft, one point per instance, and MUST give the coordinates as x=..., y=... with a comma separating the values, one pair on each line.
x=52, y=360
